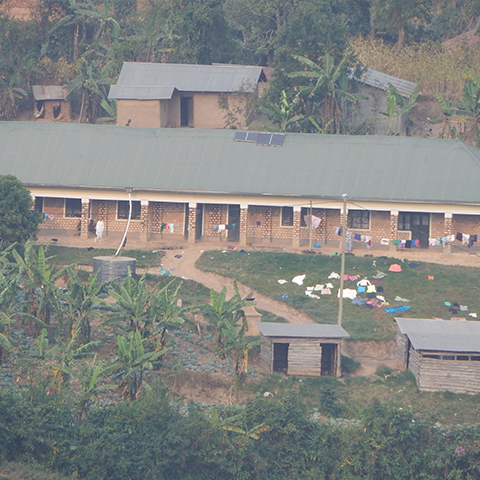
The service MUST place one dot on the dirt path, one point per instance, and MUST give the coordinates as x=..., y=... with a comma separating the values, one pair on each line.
x=185, y=267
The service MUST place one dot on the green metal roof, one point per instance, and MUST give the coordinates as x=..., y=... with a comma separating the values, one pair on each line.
x=190, y=160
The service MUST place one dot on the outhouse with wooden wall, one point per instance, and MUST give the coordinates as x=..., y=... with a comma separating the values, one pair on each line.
x=51, y=104
x=441, y=354
x=301, y=349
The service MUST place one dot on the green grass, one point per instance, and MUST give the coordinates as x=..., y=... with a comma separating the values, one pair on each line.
x=83, y=256
x=261, y=270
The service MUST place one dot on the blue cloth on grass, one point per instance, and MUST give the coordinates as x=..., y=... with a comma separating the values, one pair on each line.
x=401, y=308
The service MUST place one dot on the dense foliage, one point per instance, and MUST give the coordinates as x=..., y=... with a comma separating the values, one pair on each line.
x=153, y=438
x=83, y=44
x=18, y=222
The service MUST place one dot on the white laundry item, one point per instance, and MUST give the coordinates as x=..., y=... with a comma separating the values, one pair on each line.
x=326, y=291
x=170, y=228
x=221, y=228
x=334, y=276
x=328, y=285
x=364, y=282
x=299, y=279
x=318, y=287
x=282, y=282
x=310, y=289
x=381, y=298
x=99, y=230
x=348, y=293
x=473, y=314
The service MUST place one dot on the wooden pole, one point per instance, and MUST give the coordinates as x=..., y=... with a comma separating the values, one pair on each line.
x=311, y=222
x=342, y=268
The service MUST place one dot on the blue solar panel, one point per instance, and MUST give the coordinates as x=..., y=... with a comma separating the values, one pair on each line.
x=252, y=137
x=264, y=139
x=277, y=140
x=240, y=136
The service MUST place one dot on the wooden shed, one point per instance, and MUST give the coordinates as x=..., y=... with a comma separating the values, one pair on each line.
x=301, y=349
x=442, y=354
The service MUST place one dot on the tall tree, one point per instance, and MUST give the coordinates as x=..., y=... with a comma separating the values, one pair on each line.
x=395, y=15
x=18, y=222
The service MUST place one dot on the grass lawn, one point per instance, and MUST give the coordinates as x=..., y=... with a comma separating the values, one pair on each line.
x=84, y=256
x=261, y=270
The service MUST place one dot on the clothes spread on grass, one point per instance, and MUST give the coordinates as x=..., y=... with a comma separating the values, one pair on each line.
x=298, y=279
x=395, y=267
x=400, y=299
x=401, y=308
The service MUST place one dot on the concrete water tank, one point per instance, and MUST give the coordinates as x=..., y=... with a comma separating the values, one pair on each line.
x=109, y=268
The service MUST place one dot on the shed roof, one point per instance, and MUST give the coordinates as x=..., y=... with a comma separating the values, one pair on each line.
x=301, y=330
x=381, y=80
x=49, y=92
x=441, y=335
x=140, y=81
x=407, y=169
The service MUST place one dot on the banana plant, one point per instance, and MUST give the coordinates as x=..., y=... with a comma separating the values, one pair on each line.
x=233, y=424
x=81, y=302
x=88, y=376
x=397, y=105
x=38, y=280
x=448, y=109
x=220, y=310
x=133, y=361
x=237, y=346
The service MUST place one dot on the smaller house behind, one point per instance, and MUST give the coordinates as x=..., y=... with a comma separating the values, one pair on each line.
x=441, y=354
x=51, y=104
x=166, y=95
x=301, y=349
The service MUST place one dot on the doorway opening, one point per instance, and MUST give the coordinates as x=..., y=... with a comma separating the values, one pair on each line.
x=233, y=223
x=418, y=224
x=329, y=359
x=280, y=357
x=186, y=112
x=199, y=222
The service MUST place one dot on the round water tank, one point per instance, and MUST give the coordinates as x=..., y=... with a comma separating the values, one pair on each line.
x=109, y=268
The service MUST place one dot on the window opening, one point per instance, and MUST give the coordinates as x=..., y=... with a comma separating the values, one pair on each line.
x=287, y=217
x=39, y=204
x=359, y=219
x=73, y=207
x=123, y=209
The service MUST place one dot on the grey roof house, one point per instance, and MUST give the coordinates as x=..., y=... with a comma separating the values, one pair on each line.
x=181, y=95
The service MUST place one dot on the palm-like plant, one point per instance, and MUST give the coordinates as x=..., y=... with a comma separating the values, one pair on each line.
x=133, y=361
x=10, y=95
x=88, y=376
x=398, y=105
x=39, y=283
x=237, y=346
x=448, y=109
x=282, y=114
x=328, y=81
x=81, y=301
x=220, y=310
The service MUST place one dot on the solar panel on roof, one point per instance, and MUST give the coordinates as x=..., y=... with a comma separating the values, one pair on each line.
x=240, y=136
x=277, y=140
x=252, y=137
x=264, y=139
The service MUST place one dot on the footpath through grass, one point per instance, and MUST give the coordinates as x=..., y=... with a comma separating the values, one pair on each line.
x=262, y=270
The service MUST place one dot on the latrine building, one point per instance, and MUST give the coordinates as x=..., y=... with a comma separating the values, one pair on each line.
x=441, y=354
x=260, y=188
x=301, y=349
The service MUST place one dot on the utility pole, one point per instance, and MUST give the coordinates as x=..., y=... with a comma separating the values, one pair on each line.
x=311, y=226
x=342, y=268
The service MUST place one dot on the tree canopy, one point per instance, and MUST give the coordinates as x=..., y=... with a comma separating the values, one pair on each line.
x=18, y=222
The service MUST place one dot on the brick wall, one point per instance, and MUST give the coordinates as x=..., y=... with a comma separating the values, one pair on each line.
x=468, y=224
x=56, y=207
x=214, y=215
x=167, y=212
x=142, y=113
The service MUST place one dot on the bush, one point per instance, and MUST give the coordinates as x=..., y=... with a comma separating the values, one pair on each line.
x=383, y=371
x=349, y=365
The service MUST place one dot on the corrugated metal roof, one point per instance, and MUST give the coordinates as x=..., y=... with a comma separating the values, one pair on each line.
x=306, y=330
x=381, y=80
x=49, y=92
x=123, y=92
x=185, y=78
x=441, y=335
x=192, y=160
